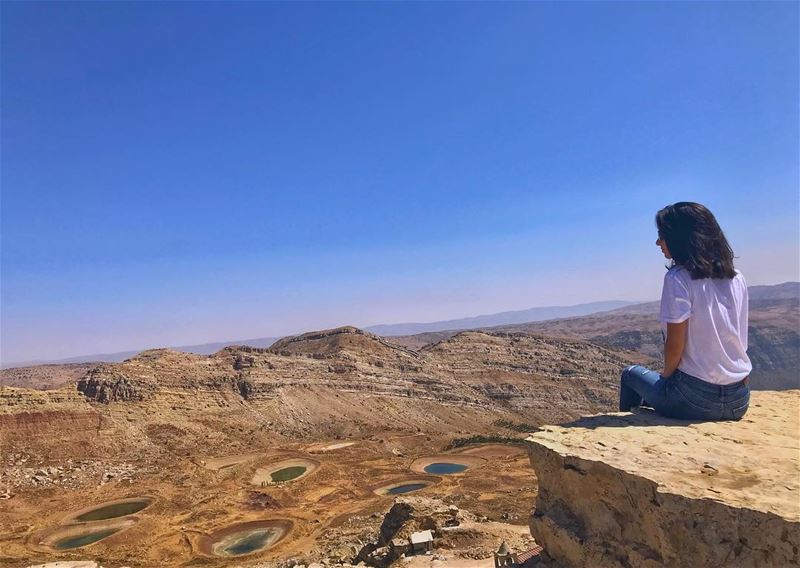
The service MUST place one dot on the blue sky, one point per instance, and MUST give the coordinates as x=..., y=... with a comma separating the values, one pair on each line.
x=178, y=173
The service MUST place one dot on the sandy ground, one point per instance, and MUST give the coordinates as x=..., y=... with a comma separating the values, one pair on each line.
x=227, y=461
x=329, y=447
x=427, y=561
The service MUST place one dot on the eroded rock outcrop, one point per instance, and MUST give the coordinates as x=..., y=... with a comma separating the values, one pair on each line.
x=638, y=490
x=408, y=515
x=107, y=386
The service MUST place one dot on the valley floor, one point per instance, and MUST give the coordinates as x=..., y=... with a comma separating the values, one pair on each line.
x=335, y=509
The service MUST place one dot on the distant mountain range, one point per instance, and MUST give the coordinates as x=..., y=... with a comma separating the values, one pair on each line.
x=201, y=349
x=502, y=318
x=787, y=290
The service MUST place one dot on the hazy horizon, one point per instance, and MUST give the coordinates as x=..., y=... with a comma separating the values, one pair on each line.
x=298, y=332
x=182, y=173
x=280, y=335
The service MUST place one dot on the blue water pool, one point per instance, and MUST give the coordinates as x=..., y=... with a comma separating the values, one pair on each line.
x=445, y=468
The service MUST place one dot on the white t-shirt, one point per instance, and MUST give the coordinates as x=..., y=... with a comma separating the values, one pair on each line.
x=716, y=339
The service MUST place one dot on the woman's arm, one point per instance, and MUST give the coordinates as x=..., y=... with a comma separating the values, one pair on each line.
x=673, y=346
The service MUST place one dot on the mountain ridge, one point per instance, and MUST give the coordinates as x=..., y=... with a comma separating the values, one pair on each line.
x=782, y=291
x=499, y=318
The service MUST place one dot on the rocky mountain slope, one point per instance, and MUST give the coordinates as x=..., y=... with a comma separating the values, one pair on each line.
x=339, y=383
x=774, y=334
x=44, y=377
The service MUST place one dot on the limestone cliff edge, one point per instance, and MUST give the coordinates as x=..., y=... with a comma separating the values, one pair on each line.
x=638, y=490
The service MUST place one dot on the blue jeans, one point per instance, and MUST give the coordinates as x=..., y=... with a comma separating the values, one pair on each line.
x=682, y=396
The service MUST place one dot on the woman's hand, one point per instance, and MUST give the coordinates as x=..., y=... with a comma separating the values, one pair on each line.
x=674, y=346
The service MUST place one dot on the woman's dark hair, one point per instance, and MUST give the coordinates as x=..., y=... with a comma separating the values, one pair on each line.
x=695, y=240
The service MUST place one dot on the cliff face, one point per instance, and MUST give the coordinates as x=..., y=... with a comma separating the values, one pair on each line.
x=638, y=490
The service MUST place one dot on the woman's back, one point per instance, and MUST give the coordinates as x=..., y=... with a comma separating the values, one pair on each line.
x=716, y=338
x=704, y=312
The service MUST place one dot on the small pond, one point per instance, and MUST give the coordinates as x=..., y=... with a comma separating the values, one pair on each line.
x=400, y=487
x=247, y=542
x=445, y=468
x=288, y=473
x=83, y=539
x=245, y=538
x=113, y=510
x=407, y=488
x=284, y=471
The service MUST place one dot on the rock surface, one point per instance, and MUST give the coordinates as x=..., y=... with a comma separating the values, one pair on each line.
x=639, y=490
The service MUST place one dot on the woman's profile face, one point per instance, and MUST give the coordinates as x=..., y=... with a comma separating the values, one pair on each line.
x=662, y=243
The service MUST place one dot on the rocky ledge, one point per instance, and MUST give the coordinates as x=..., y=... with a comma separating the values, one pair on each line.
x=638, y=490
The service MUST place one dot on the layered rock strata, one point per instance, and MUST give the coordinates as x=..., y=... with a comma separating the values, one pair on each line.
x=333, y=384
x=638, y=490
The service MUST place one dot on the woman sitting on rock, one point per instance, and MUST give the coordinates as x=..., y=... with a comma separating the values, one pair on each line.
x=704, y=310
